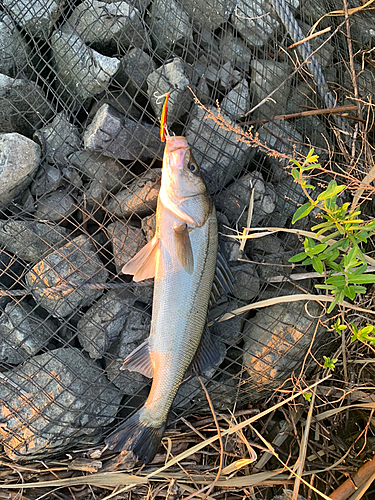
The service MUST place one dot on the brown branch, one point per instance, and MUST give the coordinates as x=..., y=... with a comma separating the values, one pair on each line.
x=314, y=35
x=300, y=114
x=351, y=485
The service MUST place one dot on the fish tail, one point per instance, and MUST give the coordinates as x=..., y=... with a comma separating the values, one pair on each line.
x=136, y=436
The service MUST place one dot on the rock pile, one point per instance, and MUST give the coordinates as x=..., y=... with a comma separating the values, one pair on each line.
x=81, y=91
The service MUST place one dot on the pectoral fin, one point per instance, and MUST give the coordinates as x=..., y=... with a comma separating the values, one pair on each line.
x=143, y=264
x=139, y=361
x=183, y=248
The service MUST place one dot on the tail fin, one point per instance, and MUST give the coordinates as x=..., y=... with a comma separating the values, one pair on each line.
x=136, y=436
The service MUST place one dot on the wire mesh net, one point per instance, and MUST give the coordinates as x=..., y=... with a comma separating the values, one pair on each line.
x=81, y=92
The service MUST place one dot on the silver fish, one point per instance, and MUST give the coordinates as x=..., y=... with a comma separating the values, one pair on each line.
x=182, y=259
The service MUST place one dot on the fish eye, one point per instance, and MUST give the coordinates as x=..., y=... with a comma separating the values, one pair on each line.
x=193, y=167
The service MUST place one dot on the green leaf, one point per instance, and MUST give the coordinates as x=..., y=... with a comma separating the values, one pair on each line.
x=302, y=212
x=332, y=305
x=318, y=248
x=298, y=257
x=332, y=190
x=295, y=173
x=307, y=395
x=317, y=265
x=338, y=281
x=329, y=363
x=360, y=270
x=350, y=292
x=296, y=163
x=363, y=279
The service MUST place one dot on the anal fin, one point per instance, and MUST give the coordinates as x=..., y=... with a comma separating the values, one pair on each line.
x=143, y=264
x=223, y=280
x=139, y=361
x=207, y=355
x=183, y=247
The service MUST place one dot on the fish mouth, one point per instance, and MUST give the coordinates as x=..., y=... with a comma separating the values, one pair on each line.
x=174, y=143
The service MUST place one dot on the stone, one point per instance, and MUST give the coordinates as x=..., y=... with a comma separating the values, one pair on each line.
x=73, y=176
x=11, y=270
x=126, y=241
x=22, y=333
x=96, y=166
x=135, y=331
x=246, y=283
x=266, y=76
x=289, y=197
x=119, y=100
x=323, y=54
x=225, y=76
x=140, y=197
x=30, y=240
x=23, y=106
x=135, y=66
x=19, y=159
x=14, y=50
x=102, y=323
x=210, y=14
x=283, y=138
x=149, y=226
x=75, y=264
x=169, y=26
x=48, y=179
x=235, y=50
x=96, y=71
x=36, y=17
x=276, y=342
x=109, y=26
x=237, y=101
x=120, y=137
x=58, y=139
x=217, y=152
x=234, y=200
x=55, y=401
x=170, y=76
x=94, y=195
x=227, y=331
x=229, y=247
x=55, y=206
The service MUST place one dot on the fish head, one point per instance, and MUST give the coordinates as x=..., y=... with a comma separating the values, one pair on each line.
x=181, y=173
x=183, y=191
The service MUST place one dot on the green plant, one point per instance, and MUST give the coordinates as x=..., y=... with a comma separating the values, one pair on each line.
x=329, y=363
x=338, y=255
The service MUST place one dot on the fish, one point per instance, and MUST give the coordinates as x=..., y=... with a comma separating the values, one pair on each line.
x=182, y=259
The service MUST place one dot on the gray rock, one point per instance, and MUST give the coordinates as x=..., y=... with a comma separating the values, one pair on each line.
x=53, y=401
x=14, y=50
x=120, y=100
x=209, y=14
x=235, y=50
x=126, y=241
x=19, y=159
x=55, y=206
x=281, y=136
x=169, y=26
x=289, y=197
x=31, y=240
x=10, y=270
x=94, y=195
x=99, y=167
x=316, y=11
x=266, y=76
x=246, y=283
x=23, y=105
x=225, y=76
x=139, y=197
x=120, y=137
x=58, y=139
x=109, y=26
x=324, y=54
x=227, y=331
x=22, y=333
x=276, y=343
x=230, y=247
x=149, y=226
x=135, y=66
x=234, y=200
x=35, y=16
x=237, y=101
x=170, y=76
x=218, y=153
x=74, y=264
x=101, y=325
x=95, y=73
x=48, y=179
x=73, y=176
x=135, y=331
x=256, y=21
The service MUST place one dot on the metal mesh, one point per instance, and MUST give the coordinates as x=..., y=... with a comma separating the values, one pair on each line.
x=80, y=100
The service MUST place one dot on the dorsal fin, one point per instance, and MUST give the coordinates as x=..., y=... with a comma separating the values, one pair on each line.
x=223, y=280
